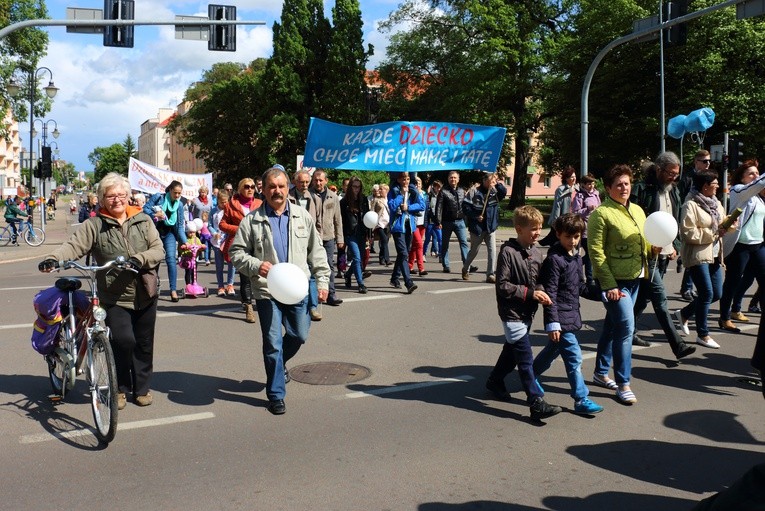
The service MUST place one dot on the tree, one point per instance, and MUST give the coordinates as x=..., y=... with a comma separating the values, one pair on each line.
x=476, y=61
x=115, y=158
x=21, y=51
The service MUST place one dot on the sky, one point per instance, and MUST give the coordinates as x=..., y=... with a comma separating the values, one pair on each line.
x=106, y=93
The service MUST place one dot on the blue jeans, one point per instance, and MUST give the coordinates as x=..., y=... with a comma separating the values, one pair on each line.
x=458, y=228
x=403, y=242
x=354, y=253
x=742, y=266
x=431, y=232
x=615, y=342
x=313, y=293
x=568, y=348
x=516, y=353
x=171, y=258
x=219, y=262
x=708, y=280
x=279, y=346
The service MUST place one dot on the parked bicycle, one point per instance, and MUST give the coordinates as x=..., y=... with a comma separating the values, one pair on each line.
x=34, y=236
x=84, y=346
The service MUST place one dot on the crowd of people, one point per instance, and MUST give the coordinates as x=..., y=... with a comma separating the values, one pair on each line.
x=598, y=250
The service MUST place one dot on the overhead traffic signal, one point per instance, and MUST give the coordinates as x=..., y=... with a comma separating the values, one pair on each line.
x=677, y=34
x=221, y=37
x=121, y=37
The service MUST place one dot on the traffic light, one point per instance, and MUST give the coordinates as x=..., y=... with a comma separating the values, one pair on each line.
x=46, y=164
x=735, y=153
x=121, y=37
x=221, y=37
x=676, y=35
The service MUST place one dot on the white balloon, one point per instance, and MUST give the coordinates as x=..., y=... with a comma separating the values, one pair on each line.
x=199, y=223
x=370, y=219
x=660, y=229
x=287, y=283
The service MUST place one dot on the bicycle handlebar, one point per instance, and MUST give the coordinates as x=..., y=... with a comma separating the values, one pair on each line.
x=120, y=263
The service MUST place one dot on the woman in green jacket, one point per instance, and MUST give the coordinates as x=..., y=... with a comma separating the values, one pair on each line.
x=130, y=300
x=619, y=254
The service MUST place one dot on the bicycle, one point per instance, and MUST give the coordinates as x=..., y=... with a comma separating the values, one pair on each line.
x=84, y=339
x=34, y=236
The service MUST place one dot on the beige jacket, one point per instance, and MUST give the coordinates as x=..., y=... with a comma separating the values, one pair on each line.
x=697, y=235
x=329, y=222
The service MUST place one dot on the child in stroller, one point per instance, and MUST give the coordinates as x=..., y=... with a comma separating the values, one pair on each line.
x=188, y=261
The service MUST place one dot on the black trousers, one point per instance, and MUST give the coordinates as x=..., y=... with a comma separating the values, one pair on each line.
x=133, y=344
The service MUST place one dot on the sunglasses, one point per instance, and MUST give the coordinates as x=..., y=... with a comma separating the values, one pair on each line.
x=248, y=187
x=705, y=161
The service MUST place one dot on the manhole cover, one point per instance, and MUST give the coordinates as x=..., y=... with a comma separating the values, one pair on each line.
x=329, y=373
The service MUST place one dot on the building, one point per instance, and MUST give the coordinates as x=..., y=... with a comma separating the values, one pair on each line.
x=153, y=142
x=182, y=158
x=10, y=162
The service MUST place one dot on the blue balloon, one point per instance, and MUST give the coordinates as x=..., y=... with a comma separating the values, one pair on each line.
x=700, y=120
x=676, y=127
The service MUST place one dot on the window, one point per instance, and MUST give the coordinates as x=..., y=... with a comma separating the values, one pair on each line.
x=528, y=181
x=548, y=181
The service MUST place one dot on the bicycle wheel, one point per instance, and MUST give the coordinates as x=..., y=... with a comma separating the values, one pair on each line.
x=103, y=388
x=34, y=236
x=5, y=236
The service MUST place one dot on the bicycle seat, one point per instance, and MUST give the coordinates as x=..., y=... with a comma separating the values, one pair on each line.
x=68, y=284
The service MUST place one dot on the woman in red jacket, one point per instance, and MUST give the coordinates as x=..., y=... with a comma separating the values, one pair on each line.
x=240, y=205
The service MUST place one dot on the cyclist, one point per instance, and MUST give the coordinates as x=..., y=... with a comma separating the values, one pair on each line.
x=12, y=214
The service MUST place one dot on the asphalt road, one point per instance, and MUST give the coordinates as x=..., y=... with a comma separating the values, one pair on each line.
x=420, y=433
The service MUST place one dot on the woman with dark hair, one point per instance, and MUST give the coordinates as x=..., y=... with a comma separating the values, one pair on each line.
x=564, y=195
x=619, y=253
x=701, y=230
x=353, y=207
x=167, y=211
x=236, y=209
x=744, y=249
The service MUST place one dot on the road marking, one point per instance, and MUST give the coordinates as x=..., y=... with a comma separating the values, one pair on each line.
x=368, y=298
x=39, y=288
x=460, y=290
x=45, y=437
x=404, y=388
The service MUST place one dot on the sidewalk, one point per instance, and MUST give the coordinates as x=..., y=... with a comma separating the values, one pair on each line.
x=56, y=232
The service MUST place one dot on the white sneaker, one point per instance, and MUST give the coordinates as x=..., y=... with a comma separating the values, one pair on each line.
x=683, y=326
x=707, y=343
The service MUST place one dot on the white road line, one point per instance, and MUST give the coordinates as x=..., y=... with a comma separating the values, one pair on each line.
x=460, y=290
x=369, y=298
x=39, y=288
x=404, y=388
x=45, y=437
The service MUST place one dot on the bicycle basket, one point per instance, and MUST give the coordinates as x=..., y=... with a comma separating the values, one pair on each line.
x=48, y=305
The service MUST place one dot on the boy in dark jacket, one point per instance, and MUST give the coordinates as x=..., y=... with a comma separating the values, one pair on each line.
x=564, y=282
x=518, y=297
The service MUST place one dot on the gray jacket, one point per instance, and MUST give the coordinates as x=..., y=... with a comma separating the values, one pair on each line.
x=254, y=244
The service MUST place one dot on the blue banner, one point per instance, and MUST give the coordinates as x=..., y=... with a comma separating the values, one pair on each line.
x=403, y=146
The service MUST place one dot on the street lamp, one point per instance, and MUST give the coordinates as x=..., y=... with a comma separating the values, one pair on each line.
x=14, y=88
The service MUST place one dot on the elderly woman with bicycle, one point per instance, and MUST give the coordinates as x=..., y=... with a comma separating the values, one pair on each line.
x=129, y=298
x=12, y=214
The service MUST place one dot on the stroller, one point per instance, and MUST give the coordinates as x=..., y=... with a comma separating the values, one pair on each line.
x=188, y=261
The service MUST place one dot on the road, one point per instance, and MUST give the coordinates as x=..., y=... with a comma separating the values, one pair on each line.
x=420, y=433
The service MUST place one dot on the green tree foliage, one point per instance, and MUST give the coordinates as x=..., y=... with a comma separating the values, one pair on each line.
x=719, y=67
x=115, y=158
x=19, y=54
x=475, y=61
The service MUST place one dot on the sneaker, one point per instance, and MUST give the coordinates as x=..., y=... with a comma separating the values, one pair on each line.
x=121, y=401
x=497, y=387
x=144, y=400
x=424, y=260
x=681, y=322
x=688, y=296
x=639, y=341
x=604, y=381
x=423, y=273
x=587, y=407
x=411, y=289
x=315, y=315
x=473, y=269
x=626, y=396
x=754, y=309
x=465, y=275
x=707, y=342
x=541, y=409
x=447, y=269
x=366, y=274
x=395, y=284
x=684, y=349
x=221, y=291
x=739, y=316
x=434, y=254
x=230, y=290
x=491, y=279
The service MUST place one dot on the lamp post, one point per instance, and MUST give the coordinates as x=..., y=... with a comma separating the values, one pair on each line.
x=44, y=150
x=50, y=90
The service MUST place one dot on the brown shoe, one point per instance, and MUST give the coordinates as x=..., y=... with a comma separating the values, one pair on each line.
x=739, y=316
x=143, y=400
x=491, y=279
x=249, y=313
x=465, y=274
x=728, y=326
x=121, y=401
x=315, y=315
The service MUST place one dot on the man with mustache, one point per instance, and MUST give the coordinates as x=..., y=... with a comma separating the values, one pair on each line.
x=279, y=231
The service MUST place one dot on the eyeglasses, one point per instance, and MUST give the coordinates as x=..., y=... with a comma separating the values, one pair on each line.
x=671, y=174
x=118, y=196
x=248, y=187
